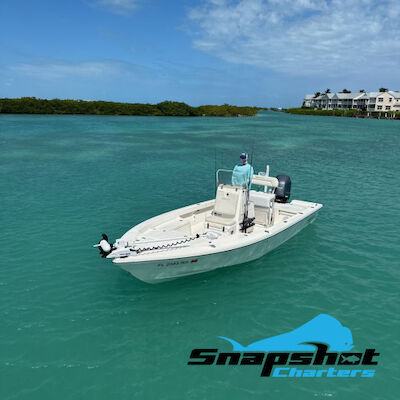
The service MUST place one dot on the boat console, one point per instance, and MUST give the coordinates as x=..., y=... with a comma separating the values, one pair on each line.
x=229, y=202
x=237, y=208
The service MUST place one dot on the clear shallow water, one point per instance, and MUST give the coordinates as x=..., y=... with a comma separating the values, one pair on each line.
x=75, y=326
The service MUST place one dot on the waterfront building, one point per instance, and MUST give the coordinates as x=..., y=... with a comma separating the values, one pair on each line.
x=308, y=100
x=363, y=101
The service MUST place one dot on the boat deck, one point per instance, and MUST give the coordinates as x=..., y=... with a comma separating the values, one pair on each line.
x=175, y=232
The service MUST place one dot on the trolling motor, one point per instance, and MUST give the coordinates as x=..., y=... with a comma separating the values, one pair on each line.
x=122, y=249
x=104, y=247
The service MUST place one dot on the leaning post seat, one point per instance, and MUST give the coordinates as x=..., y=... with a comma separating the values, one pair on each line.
x=227, y=208
x=264, y=201
x=263, y=207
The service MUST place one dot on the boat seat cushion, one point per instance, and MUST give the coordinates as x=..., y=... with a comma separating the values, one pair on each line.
x=225, y=207
x=220, y=220
x=226, y=202
x=261, y=199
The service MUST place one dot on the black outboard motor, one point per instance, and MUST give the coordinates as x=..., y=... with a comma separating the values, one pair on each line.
x=282, y=192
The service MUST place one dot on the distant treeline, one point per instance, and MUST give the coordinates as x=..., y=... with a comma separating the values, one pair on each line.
x=344, y=113
x=32, y=105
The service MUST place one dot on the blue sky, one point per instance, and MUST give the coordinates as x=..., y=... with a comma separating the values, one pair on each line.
x=244, y=52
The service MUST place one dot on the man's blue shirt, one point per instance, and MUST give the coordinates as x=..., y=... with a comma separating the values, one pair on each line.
x=242, y=175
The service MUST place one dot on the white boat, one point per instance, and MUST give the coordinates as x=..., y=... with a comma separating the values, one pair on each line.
x=238, y=226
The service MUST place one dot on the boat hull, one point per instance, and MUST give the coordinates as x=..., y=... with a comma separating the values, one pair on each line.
x=165, y=270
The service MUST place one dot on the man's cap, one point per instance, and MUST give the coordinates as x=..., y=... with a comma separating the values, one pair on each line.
x=243, y=156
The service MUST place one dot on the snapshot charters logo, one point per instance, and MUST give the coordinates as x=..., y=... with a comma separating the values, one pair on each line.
x=322, y=345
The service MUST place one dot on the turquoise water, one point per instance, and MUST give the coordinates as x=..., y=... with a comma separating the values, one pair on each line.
x=75, y=326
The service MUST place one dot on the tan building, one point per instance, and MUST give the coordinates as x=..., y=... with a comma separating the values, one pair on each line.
x=384, y=101
x=363, y=101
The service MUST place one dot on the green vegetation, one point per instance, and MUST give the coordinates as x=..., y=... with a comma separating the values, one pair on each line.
x=226, y=110
x=32, y=105
x=343, y=113
x=311, y=111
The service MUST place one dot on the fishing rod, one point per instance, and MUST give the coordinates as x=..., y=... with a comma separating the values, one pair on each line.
x=215, y=170
x=248, y=222
x=252, y=154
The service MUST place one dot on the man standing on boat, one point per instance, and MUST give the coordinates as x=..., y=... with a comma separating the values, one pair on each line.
x=243, y=172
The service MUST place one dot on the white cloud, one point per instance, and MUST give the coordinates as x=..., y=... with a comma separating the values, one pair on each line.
x=302, y=37
x=121, y=7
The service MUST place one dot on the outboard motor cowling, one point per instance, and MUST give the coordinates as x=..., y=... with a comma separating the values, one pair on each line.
x=282, y=192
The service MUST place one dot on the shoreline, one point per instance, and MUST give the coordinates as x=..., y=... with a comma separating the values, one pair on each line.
x=126, y=115
x=350, y=113
x=34, y=106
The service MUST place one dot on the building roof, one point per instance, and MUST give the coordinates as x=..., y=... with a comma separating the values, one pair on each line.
x=395, y=93
x=361, y=95
x=309, y=97
x=347, y=95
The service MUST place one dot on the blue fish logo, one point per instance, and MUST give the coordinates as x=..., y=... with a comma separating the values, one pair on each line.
x=321, y=329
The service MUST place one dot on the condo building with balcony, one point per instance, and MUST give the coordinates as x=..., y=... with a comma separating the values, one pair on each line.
x=363, y=101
